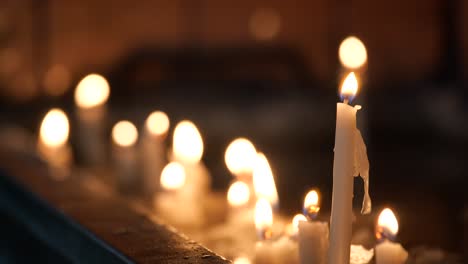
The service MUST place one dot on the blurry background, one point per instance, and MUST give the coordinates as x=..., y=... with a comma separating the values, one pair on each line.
x=269, y=71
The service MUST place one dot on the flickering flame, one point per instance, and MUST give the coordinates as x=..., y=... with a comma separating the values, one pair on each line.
x=54, y=128
x=187, y=143
x=240, y=156
x=238, y=194
x=241, y=260
x=124, y=133
x=173, y=176
x=352, y=53
x=387, y=224
x=311, y=204
x=263, y=180
x=295, y=222
x=93, y=90
x=263, y=218
x=157, y=123
x=349, y=88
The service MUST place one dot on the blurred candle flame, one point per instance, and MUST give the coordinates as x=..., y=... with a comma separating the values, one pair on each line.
x=124, y=133
x=352, y=53
x=173, y=176
x=263, y=219
x=157, y=123
x=295, y=222
x=240, y=156
x=238, y=194
x=387, y=225
x=187, y=142
x=263, y=180
x=54, y=128
x=311, y=205
x=349, y=88
x=241, y=260
x=93, y=90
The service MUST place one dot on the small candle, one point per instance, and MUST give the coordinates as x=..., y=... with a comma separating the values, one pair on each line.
x=264, y=182
x=240, y=158
x=91, y=94
x=153, y=150
x=313, y=235
x=387, y=251
x=238, y=197
x=124, y=137
x=53, y=142
x=350, y=160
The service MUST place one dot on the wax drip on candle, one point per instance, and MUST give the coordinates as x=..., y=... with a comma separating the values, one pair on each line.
x=311, y=205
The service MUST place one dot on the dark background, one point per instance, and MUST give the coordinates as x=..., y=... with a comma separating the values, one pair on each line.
x=210, y=61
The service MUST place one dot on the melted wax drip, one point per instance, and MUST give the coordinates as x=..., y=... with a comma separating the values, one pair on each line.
x=361, y=168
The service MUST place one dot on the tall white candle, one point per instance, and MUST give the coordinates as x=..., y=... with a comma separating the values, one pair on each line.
x=91, y=94
x=350, y=160
x=313, y=235
x=387, y=251
x=53, y=143
x=124, y=153
x=153, y=152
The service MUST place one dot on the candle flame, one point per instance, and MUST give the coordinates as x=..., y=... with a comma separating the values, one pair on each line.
x=54, y=128
x=349, y=88
x=387, y=225
x=187, y=142
x=352, y=53
x=263, y=218
x=93, y=90
x=263, y=180
x=238, y=194
x=240, y=156
x=241, y=260
x=311, y=204
x=124, y=133
x=157, y=123
x=173, y=176
x=295, y=222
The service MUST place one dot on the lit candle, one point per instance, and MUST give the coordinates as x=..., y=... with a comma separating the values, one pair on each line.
x=153, y=150
x=240, y=158
x=91, y=94
x=387, y=251
x=350, y=160
x=313, y=235
x=124, y=137
x=53, y=142
x=282, y=250
x=238, y=198
x=264, y=182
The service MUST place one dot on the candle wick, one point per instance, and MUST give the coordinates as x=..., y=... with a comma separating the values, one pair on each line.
x=346, y=101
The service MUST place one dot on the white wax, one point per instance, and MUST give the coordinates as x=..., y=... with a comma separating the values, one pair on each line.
x=197, y=181
x=91, y=127
x=281, y=251
x=389, y=252
x=58, y=158
x=343, y=168
x=360, y=255
x=125, y=167
x=153, y=161
x=313, y=242
x=179, y=210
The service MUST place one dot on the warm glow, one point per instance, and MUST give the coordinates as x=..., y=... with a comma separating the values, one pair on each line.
x=241, y=260
x=263, y=218
x=93, y=90
x=238, y=194
x=124, y=134
x=265, y=24
x=187, y=142
x=295, y=222
x=157, y=123
x=349, y=88
x=311, y=204
x=173, y=176
x=352, y=53
x=240, y=156
x=54, y=128
x=387, y=224
x=263, y=180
